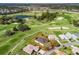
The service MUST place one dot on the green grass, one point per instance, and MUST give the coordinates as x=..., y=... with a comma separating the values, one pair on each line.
x=14, y=44
x=13, y=40
x=77, y=45
x=63, y=41
x=68, y=50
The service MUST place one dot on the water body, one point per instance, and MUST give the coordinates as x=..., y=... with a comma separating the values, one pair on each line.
x=22, y=16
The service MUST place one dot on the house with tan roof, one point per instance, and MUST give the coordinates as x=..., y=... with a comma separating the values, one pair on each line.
x=30, y=48
x=59, y=52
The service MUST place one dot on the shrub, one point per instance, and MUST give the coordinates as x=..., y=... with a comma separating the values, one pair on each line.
x=15, y=29
x=23, y=27
x=9, y=33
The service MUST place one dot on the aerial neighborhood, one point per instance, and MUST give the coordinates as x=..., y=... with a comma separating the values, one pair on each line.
x=39, y=29
x=51, y=44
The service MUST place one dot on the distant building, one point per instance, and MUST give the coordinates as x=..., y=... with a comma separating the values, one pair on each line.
x=68, y=36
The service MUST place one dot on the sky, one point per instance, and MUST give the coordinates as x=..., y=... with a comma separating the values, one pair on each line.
x=39, y=1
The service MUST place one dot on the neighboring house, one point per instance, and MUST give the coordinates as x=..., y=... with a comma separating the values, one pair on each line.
x=77, y=34
x=59, y=52
x=41, y=40
x=62, y=36
x=74, y=36
x=75, y=49
x=42, y=51
x=30, y=48
x=68, y=35
x=71, y=36
x=52, y=37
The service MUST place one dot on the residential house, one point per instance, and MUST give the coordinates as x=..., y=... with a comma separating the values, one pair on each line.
x=77, y=35
x=74, y=36
x=41, y=40
x=71, y=36
x=59, y=52
x=42, y=51
x=68, y=35
x=30, y=48
x=62, y=36
x=52, y=37
x=75, y=49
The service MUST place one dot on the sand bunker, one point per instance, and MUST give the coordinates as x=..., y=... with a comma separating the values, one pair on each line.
x=58, y=28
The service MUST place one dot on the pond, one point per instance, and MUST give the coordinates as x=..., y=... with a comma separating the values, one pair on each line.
x=22, y=16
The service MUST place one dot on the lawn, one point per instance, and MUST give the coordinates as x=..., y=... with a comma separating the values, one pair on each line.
x=67, y=50
x=15, y=43
x=77, y=45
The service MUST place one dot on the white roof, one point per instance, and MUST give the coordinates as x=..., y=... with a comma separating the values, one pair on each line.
x=74, y=36
x=62, y=36
x=36, y=48
x=42, y=51
x=68, y=35
x=75, y=49
x=52, y=37
x=77, y=34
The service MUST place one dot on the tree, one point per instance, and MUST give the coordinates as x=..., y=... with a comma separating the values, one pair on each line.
x=5, y=19
x=22, y=21
x=23, y=27
x=15, y=29
x=76, y=23
x=69, y=18
x=48, y=16
x=48, y=45
x=9, y=33
x=35, y=17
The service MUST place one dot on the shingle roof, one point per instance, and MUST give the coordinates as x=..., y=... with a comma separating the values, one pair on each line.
x=30, y=48
x=42, y=40
x=77, y=34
